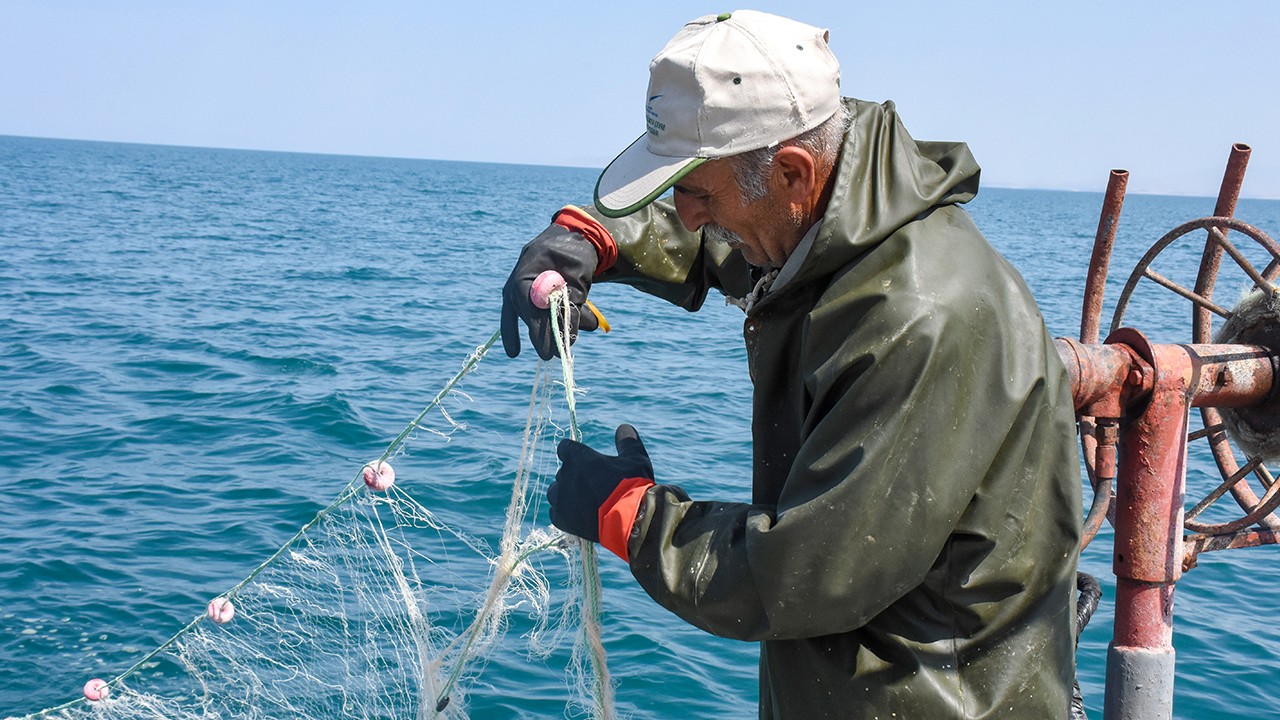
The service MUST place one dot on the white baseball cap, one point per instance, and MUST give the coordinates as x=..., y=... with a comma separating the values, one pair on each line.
x=725, y=84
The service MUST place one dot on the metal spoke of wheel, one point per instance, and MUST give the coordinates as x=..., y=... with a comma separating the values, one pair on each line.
x=1222, y=489
x=1258, y=280
x=1205, y=432
x=1188, y=294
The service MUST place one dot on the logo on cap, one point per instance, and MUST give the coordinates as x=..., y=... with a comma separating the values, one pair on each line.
x=656, y=126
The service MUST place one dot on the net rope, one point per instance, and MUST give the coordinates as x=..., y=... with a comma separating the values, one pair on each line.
x=382, y=607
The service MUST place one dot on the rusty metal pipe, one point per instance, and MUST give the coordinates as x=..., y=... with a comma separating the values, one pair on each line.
x=1097, y=374
x=1103, y=241
x=1195, y=544
x=1228, y=195
x=1152, y=468
x=1231, y=375
x=1148, y=539
x=1148, y=622
x=1102, y=476
x=1106, y=378
x=1232, y=180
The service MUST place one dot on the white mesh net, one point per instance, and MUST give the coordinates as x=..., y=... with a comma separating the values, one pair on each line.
x=383, y=608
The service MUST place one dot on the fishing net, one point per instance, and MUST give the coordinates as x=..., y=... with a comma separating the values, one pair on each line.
x=382, y=607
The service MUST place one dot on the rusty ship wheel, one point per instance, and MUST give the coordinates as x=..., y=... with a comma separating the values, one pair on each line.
x=1265, y=419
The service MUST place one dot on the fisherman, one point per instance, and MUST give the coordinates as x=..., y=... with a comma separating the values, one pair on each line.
x=910, y=546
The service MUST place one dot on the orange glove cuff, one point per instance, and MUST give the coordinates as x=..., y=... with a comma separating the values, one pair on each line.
x=576, y=219
x=618, y=514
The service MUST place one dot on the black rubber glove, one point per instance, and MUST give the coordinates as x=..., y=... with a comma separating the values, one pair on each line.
x=587, y=478
x=569, y=254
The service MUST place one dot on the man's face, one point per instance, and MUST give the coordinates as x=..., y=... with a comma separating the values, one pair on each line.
x=709, y=198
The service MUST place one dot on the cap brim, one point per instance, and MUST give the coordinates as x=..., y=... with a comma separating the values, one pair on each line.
x=637, y=177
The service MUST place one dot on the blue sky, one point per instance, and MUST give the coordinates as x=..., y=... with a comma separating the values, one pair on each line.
x=1048, y=95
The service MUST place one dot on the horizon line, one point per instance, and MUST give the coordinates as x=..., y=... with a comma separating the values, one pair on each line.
x=568, y=167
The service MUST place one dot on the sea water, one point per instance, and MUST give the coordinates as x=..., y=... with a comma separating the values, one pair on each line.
x=199, y=348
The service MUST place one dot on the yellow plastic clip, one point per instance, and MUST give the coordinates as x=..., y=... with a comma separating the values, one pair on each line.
x=604, y=324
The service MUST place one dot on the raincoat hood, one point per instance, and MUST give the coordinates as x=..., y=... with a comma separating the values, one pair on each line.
x=883, y=180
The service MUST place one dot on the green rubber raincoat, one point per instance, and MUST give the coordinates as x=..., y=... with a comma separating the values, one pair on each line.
x=910, y=547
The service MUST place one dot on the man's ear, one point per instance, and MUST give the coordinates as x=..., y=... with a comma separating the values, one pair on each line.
x=795, y=174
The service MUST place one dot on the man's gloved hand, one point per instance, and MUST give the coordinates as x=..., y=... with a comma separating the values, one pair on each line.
x=596, y=496
x=577, y=247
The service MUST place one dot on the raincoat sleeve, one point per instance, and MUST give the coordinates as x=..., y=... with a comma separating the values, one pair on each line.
x=657, y=255
x=921, y=415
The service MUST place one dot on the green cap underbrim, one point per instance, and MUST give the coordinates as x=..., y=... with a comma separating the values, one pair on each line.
x=628, y=157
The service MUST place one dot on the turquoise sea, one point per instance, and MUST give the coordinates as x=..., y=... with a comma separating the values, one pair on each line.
x=199, y=348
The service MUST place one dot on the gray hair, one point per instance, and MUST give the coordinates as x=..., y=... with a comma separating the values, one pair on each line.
x=752, y=168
